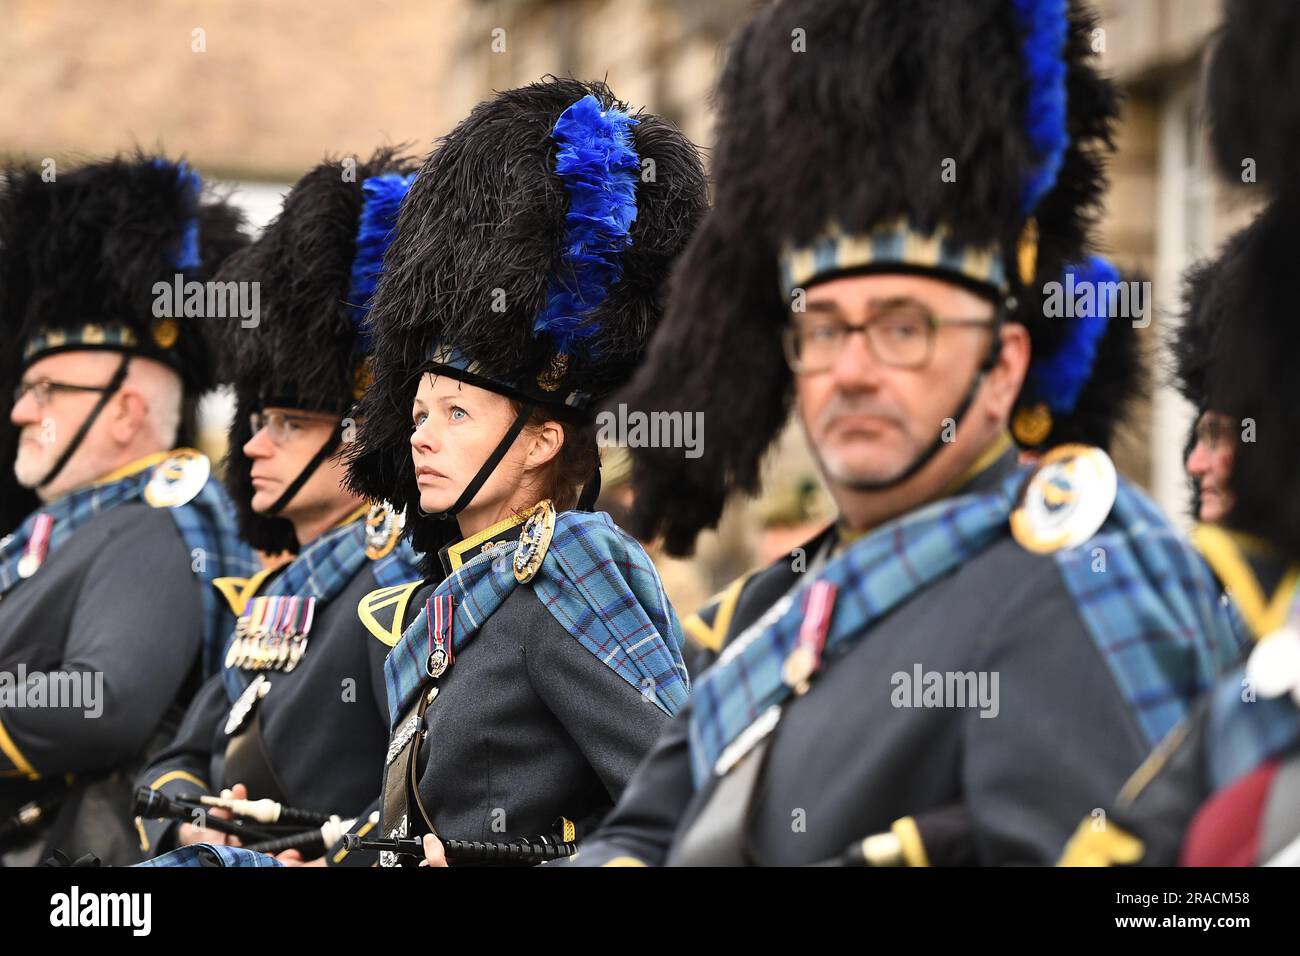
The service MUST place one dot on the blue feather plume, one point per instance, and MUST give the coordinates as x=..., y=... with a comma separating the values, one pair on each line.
x=381, y=198
x=187, y=256
x=1045, y=24
x=1059, y=379
x=598, y=164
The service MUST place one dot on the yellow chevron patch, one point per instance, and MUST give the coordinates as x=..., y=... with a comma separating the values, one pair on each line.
x=383, y=610
x=239, y=591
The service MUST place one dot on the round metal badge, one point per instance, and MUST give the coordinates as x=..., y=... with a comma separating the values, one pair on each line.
x=1067, y=500
x=177, y=480
x=533, y=541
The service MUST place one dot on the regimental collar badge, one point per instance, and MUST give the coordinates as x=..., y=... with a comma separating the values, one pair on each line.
x=1067, y=499
x=383, y=528
x=534, y=540
x=176, y=480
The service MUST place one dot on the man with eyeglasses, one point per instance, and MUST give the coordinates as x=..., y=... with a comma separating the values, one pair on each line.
x=977, y=652
x=298, y=713
x=108, y=617
x=1059, y=403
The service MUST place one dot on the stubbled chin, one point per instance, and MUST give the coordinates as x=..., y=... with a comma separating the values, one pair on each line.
x=863, y=461
x=28, y=470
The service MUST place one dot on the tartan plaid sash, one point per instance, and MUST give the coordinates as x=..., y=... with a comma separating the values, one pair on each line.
x=598, y=583
x=1245, y=730
x=321, y=570
x=211, y=854
x=206, y=524
x=1153, y=614
x=1242, y=734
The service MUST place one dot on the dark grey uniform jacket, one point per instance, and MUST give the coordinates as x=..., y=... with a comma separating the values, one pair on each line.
x=323, y=725
x=743, y=602
x=845, y=763
x=118, y=600
x=528, y=726
x=1159, y=802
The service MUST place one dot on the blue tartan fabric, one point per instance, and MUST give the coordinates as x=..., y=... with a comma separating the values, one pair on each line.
x=400, y=566
x=597, y=582
x=321, y=570
x=211, y=854
x=1153, y=613
x=1159, y=625
x=1242, y=734
x=206, y=525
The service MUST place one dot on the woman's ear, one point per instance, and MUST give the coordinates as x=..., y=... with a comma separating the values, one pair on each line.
x=547, y=440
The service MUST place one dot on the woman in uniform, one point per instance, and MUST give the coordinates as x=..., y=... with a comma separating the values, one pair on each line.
x=523, y=285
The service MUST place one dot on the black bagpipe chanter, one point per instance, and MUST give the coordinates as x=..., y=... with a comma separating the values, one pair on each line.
x=266, y=826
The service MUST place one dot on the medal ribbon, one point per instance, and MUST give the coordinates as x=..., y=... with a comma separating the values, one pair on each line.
x=438, y=616
x=806, y=658
x=39, y=542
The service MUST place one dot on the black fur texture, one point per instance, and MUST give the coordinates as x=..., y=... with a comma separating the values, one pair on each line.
x=1252, y=378
x=1253, y=90
x=89, y=247
x=856, y=129
x=303, y=353
x=486, y=213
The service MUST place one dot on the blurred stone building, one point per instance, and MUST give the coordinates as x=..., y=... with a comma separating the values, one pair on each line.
x=254, y=93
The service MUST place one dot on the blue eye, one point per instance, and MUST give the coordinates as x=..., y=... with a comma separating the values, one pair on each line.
x=456, y=410
x=419, y=420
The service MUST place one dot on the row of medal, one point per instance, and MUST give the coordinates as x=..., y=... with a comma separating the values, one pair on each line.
x=272, y=633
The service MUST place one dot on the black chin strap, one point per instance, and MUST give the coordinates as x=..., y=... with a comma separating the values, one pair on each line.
x=109, y=391
x=326, y=451
x=489, y=466
x=923, y=459
x=590, y=492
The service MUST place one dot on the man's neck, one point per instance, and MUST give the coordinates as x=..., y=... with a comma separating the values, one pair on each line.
x=308, y=528
x=122, y=466
x=860, y=511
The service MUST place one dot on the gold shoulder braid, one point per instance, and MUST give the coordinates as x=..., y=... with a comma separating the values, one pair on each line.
x=533, y=541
